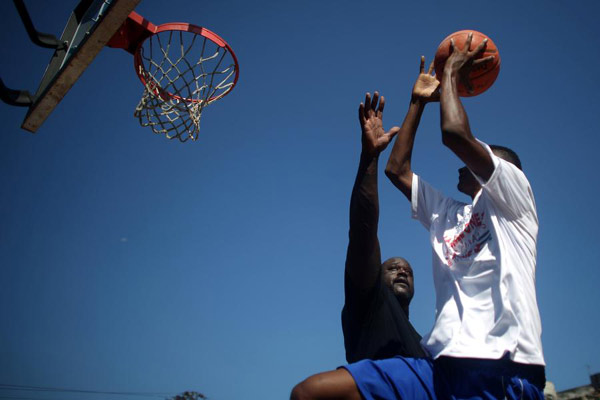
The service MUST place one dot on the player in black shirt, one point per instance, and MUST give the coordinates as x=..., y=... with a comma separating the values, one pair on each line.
x=375, y=315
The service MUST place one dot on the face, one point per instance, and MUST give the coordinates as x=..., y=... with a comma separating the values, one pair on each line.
x=467, y=183
x=398, y=276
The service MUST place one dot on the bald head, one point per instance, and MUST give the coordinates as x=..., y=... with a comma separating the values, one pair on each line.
x=397, y=274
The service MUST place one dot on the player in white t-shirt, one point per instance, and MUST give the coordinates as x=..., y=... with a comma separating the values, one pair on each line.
x=487, y=330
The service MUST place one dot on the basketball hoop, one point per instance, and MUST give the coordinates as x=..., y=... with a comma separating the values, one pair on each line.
x=183, y=68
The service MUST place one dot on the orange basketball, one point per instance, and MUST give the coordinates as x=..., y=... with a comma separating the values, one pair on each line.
x=482, y=75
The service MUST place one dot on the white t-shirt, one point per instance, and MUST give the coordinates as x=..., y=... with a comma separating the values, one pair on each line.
x=484, y=257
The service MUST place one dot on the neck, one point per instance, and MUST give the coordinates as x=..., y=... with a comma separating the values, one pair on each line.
x=404, y=307
x=475, y=192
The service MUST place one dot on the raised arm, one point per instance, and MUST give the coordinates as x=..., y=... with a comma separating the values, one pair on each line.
x=363, y=260
x=398, y=168
x=456, y=132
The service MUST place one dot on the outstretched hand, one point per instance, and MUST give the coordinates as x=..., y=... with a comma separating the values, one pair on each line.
x=374, y=138
x=427, y=87
x=462, y=60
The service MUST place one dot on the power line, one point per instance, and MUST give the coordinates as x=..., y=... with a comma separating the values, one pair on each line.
x=24, y=398
x=5, y=386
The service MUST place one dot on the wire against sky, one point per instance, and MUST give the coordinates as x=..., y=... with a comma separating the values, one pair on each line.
x=4, y=386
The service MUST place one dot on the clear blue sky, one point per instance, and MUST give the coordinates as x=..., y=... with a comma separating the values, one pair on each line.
x=132, y=263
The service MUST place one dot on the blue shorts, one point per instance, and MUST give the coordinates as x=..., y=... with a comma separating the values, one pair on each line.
x=447, y=378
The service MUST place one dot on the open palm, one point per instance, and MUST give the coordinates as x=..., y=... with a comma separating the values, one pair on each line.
x=427, y=86
x=374, y=138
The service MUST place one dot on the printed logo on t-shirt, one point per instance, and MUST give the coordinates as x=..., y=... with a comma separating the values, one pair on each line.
x=467, y=239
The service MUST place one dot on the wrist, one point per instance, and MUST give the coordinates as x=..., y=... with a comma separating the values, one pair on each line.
x=449, y=73
x=369, y=155
x=449, y=77
x=417, y=101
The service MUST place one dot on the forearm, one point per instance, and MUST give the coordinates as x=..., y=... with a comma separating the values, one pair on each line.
x=453, y=118
x=398, y=168
x=363, y=260
x=456, y=132
x=364, y=203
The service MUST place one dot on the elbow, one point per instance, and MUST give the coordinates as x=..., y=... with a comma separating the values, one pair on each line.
x=393, y=172
x=400, y=176
x=453, y=135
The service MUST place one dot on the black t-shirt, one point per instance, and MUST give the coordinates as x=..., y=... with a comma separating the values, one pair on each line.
x=375, y=325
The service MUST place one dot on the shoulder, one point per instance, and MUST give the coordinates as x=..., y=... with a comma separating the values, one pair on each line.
x=510, y=190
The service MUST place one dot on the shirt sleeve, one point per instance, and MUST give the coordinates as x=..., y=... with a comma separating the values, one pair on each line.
x=508, y=187
x=427, y=203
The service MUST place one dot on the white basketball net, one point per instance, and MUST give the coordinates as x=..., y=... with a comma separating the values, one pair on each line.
x=184, y=72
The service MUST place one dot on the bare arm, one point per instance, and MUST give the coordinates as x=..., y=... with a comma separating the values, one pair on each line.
x=363, y=260
x=456, y=132
x=398, y=168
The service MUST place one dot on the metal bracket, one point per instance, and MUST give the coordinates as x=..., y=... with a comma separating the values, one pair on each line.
x=46, y=40
x=20, y=98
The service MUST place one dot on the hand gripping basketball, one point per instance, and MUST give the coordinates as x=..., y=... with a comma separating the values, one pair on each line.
x=477, y=69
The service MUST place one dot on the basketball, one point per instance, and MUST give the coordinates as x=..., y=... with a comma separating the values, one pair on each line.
x=482, y=75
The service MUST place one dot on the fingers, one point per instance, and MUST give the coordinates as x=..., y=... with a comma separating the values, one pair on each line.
x=451, y=46
x=375, y=100
x=431, y=66
x=481, y=48
x=422, y=67
x=393, y=132
x=361, y=114
x=374, y=104
x=469, y=40
x=467, y=83
x=483, y=60
x=381, y=105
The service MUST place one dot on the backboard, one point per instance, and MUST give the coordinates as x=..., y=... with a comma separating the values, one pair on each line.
x=90, y=26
